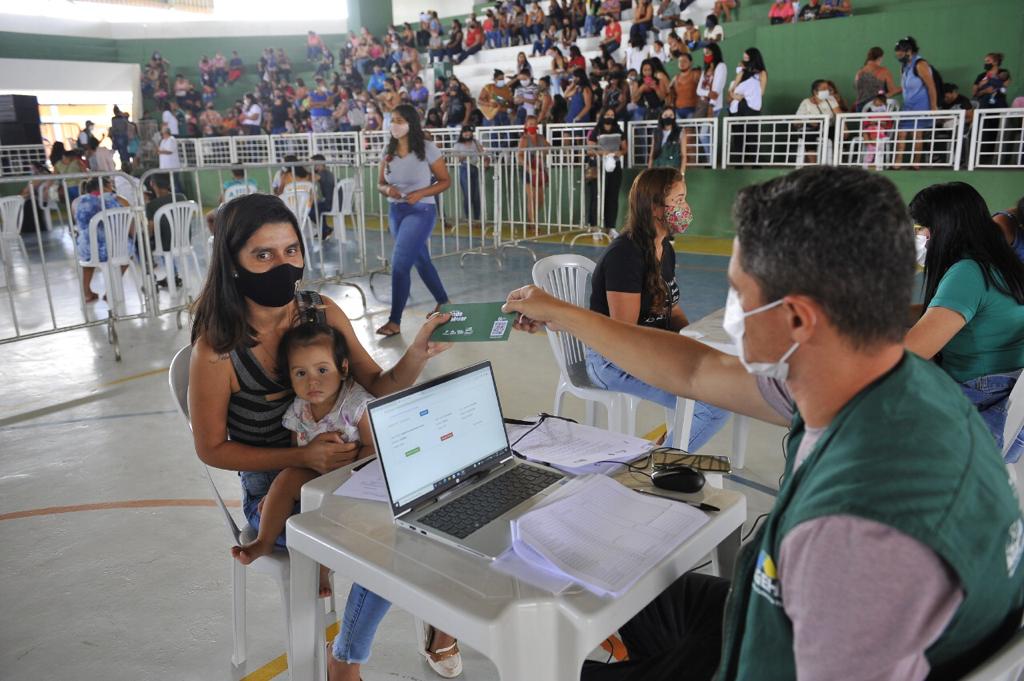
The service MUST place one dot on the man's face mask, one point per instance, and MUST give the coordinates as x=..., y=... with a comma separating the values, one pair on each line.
x=734, y=325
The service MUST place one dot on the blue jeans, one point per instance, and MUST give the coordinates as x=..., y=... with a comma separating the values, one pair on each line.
x=686, y=112
x=363, y=612
x=469, y=183
x=990, y=394
x=500, y=118
x=707, y=420
x=411, y=227
x=592, y=25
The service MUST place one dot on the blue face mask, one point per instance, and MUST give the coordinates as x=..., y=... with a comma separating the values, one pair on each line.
x=734, y=325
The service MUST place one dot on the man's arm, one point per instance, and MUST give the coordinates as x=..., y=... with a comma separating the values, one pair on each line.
x=676, y=364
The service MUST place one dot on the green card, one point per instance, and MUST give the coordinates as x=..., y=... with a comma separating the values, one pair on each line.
x=474, y=323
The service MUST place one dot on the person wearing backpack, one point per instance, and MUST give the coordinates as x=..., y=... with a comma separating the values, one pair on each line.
x=920, y=85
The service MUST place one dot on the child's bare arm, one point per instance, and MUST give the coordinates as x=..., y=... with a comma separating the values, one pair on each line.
x=366, y=447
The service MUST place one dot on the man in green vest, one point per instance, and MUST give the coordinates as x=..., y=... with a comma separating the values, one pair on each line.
x=893, y=550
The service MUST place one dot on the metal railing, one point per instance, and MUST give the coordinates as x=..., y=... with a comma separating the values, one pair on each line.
x=997, y=139
x=774, y=141
x=18, y=159
x=900, y=139
x=698, y=136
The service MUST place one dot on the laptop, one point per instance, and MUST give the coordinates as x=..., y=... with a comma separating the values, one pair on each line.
x=450, y=472
x=609, y=143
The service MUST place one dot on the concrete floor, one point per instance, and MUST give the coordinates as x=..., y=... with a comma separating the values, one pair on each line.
x=134, y=583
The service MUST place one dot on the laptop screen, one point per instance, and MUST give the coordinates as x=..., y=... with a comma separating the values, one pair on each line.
x=434, y=435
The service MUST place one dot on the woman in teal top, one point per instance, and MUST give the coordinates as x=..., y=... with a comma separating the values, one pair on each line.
x=973, y=324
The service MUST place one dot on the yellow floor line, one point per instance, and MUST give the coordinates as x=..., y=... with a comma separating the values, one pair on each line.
x=135, y=377
x=280, y=664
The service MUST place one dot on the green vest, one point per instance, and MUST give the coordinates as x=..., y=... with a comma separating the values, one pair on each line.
x=910, y=452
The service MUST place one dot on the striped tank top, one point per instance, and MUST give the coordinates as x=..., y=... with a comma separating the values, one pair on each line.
x=255, y=420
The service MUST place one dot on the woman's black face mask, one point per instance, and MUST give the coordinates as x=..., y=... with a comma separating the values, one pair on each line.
x=273, y=288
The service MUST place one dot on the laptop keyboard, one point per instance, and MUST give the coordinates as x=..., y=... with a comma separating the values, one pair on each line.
x=471, y=511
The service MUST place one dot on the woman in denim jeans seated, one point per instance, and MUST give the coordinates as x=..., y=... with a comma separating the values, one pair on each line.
x=635, y=282
x=237, y=398
x=973, y=322
x=407, y=178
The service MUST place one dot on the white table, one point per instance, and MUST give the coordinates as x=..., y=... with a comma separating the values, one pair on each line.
x=528, y=633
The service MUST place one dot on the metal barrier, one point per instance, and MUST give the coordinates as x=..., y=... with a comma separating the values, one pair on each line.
x=59, y=264
x=18, y=159
x=774, y=141
x=997, y=139
x=699, y=139
x=897, y=139
x=568, y=134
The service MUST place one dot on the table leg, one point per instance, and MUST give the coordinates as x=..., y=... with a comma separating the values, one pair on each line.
x=538, y=653
x=727, y=552
x=303, y=636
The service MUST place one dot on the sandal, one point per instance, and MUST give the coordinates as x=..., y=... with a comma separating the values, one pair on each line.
x=446, y=662
x=437, y=308
x=388, y=330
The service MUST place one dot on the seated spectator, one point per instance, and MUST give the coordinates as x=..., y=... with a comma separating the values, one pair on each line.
x=492, y=30
x=676, y=46
x=810, y=11
x=820, y=103
x=825, y=309
x=235, y=67
x=659, y=52
x=616, y=96
x=419, y=96
x=321, y=105
x=713, y=32
x=643, y=20
x=835, y=8
x=612, y=37
x=651, y=92
x=435, y=47
x=547, y=41
x=284, y=64
x=580, y=98
x=375, y=85
x=666, y=15
x=90, y=204
x=237, y=179
x=691, y=34
x=609, y=9
x=435, y=119
x=314, y=47
x=973, y=301
x=460, y=105
x=684, y=87
x=724, y=7
x=523, y=64
x=781, y=12
x=872, y=77
x=534, y=23
x=210, y=121
x=495, y=100
x=1011, y=223
x=182, y=86
x=568, y=34
x=576, y=59
x=637, y=53
x=545, y=102
x=844, y=106
x=101, y=159
x=161, y=184
x=252, y=115
x=325, y=185
x=525, y=97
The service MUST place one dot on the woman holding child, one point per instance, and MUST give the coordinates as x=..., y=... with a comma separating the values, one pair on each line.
x=251, y=354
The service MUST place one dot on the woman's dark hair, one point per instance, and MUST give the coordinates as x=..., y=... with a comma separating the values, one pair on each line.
x=581, y=77
x=649, y=190
x=219, y=314
x=57, y=153
x=657, y=66
x=417, y=141
x=874, y=53
x=756, y=63
x=574, y=51
x=599, y=124
x=716, y=56
x=961, y=228
x=712, y=19
x=1020, y=212
x=303, y=335
x=816, y=83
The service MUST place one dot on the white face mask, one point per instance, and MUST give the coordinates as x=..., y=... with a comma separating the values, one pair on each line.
x=824, y=94
x=399, y=130
x=921, y=248
x=500, y=82
x=733, y=324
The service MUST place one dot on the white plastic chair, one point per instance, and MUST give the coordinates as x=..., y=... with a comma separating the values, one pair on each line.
x=275, y=564
x=298, y=196
x=1014, y=414
x=1006, y=665
x=11, y=209
x=236, y=190
x=341, y=207
x=117, y=226
x=565, y=277
x=177, y=255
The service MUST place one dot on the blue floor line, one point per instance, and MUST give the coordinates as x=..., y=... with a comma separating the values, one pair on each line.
x=89, y=418
x=764, y=489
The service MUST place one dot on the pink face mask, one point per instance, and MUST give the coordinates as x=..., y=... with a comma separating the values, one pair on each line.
x=678, y=218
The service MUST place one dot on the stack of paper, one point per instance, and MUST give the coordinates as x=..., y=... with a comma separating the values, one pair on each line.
x=574, y=448
x=365, y=483
x=601, y=534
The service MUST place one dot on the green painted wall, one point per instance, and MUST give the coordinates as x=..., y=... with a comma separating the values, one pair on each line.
x=373, y=14
x=31, y=46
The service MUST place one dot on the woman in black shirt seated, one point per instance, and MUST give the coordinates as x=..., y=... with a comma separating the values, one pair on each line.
x=635, y=282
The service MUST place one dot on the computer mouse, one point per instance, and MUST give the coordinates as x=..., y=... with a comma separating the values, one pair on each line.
x=682, y=479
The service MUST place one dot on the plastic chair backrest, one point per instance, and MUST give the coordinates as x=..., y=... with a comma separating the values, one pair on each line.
x=1004, y=665
x=177, y=379
x=1014, y=414
x=298, y=194
x=180, y=215
x=117, y=225
x=236, y=190
x=11, y=208
x=343, y=192
x=565, y=277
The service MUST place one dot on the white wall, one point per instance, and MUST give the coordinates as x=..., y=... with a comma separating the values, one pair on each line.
x=168, y=29
x=73, y=82
x=409, y=10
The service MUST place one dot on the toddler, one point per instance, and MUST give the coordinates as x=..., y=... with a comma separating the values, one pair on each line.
x=327, y=400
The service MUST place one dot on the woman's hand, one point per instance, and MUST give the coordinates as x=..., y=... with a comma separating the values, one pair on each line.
x=536, y=308
x=424, y=348
x=390, y=191
x=412, y=198
x=328, y=452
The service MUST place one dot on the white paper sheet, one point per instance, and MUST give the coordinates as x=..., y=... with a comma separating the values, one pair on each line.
x=576, y=448
x=603, y=535
x=365, y=483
